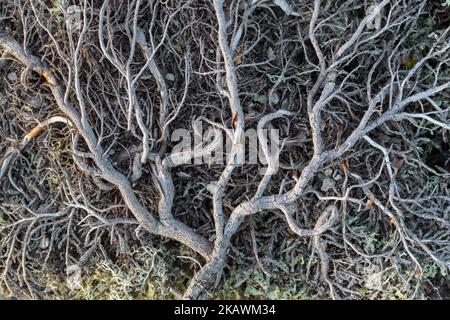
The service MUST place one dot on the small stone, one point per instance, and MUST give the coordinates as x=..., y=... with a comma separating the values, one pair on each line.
x=338, y=177
x=274, y=98
x=12, y=76
x=328, y=172
x=327, y=184
x=271, y=54
x=170, y=77
x=211, y=187
x=45, y=242
x=35, y=102
x=73, y=279
x=374, y=281
x=260, y=98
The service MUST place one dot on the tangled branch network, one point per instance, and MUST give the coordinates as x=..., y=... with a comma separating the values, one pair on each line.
x=94, y=92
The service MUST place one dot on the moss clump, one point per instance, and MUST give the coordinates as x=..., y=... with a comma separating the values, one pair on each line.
x=143, y=279
x=254, y=284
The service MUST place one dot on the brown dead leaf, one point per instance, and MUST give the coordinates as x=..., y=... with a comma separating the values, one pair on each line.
x=397, y=164
x=234, y=121
x=345, y=165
